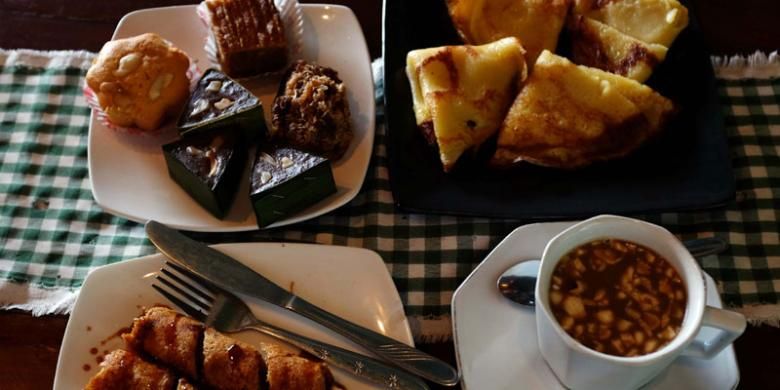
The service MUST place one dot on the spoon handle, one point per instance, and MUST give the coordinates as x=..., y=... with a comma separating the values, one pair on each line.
x=701, y=247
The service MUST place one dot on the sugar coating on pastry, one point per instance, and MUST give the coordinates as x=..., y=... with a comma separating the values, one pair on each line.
x=140, y=81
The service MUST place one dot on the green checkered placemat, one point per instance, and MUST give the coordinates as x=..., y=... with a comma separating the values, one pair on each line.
x=52, y=232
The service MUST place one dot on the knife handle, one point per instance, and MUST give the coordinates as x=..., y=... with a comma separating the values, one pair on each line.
x=400, y=354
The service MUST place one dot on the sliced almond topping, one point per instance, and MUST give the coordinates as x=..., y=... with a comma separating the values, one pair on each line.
x=287, y=162
x=159, y=83
x=201, y=105
x=194, y=151
x=267, y=158
x=214, y=86
x=223, y=104
x=265, y=177
x=128, y=63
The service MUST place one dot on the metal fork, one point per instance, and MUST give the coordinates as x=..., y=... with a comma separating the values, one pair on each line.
x=227, y=313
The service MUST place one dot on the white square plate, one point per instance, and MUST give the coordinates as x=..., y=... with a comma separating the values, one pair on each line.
x=495, y=339
x=128, y=173
x=349, y=282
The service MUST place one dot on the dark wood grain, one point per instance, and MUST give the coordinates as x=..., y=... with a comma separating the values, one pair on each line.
x=29, y=346
x=82, y=24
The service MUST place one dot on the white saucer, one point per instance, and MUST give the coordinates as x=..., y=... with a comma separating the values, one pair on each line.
x=495, y=339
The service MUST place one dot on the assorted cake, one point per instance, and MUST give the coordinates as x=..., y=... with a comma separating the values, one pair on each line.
x=140, y=81
x=219, y=101
x=167, y=350
x=285, y=180
x=208, y=166
x=248, y=36
x=222, y=120
x=311, y=111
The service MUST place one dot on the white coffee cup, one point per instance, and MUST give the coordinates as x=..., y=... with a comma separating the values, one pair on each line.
x=579, y=367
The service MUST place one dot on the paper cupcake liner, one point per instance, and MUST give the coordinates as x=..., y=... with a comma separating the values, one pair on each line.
x=292, y=19
x=193, y=74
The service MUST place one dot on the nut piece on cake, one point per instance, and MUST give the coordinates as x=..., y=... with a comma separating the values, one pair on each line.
x=248, y=35
x=311, y=111
x=140, y=81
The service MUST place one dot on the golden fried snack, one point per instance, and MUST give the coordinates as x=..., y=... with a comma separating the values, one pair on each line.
x=461, y=93
x=569, y=116
x=124, y=370
x=651, y=21
x=536, y=23
x=229, y=364
x=140, y=81
x=169, y=337
x=598, y=45
x=291, y=372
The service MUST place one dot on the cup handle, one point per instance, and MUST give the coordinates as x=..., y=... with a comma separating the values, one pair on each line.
x=731, y=325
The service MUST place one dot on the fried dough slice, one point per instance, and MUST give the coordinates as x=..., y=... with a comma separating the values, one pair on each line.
x=651, y=21
x=569, y=116
x=292, y=372
x=169, y=337
x=229, y=364
x=536, y=23
x=122, y=370
x=600, y=46
x=461, y=93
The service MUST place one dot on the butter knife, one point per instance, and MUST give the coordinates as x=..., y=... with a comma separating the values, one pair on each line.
x=233, y=276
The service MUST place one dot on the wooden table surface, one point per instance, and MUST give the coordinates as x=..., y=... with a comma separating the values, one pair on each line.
x=29, y=345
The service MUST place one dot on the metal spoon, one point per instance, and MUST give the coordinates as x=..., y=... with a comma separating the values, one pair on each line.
x=518, y=282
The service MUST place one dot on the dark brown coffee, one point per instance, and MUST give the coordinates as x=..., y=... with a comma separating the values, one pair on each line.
x=618, y=297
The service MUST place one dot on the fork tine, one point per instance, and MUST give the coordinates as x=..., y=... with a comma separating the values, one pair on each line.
x=203, y=282
x=184, y=306
x=194, y=288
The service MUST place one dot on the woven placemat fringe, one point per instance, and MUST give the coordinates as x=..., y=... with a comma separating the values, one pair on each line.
x=431, y=329
x=758, y=65
x=46, y=59
x=760, y=314
x=39, y=301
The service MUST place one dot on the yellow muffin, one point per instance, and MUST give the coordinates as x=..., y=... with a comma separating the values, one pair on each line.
x=140, y=81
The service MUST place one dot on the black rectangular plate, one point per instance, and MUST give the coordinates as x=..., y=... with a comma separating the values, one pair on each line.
x=687, y=167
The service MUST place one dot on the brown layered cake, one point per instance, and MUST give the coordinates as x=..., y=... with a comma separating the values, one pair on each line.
x=248, y=35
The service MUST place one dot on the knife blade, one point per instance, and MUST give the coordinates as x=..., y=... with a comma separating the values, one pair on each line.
x=234, y=276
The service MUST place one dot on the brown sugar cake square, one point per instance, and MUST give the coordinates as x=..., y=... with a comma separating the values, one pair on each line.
x=248, y=35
